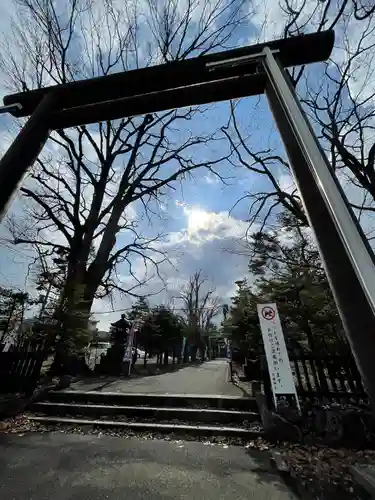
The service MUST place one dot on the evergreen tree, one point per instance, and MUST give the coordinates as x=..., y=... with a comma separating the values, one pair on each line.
x=290, y=273
x=161, y=332
x=13, y=305
x=139, y=310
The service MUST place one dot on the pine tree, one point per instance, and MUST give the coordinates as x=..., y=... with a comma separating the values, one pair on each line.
x=290, y=273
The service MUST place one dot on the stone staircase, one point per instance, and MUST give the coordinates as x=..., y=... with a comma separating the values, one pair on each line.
x=162, y=413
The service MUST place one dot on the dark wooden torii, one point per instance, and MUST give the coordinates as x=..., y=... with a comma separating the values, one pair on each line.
x=347, y=257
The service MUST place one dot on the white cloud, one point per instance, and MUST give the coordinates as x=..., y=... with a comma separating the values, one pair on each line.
x=286, y=183
x=211, y=179
x=202, y=226
x=207, y=240
x=354, y=194
x=269, y=19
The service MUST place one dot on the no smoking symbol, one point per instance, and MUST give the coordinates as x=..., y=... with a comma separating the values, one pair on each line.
x=268, y=313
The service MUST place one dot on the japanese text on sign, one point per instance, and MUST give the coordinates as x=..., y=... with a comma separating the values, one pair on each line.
x=277, y=356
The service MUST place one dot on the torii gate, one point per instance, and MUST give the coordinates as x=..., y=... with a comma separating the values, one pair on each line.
x=347, y=257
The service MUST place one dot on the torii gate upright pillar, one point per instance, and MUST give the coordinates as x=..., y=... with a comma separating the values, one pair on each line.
x=346, y=255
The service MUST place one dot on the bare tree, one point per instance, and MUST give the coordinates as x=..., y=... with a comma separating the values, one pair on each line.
x=340, y=103
x=344, y=113
x=200, y=306
x=83, y=187
x=265, y=163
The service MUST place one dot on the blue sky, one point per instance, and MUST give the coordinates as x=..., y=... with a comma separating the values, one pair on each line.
x=201, y=230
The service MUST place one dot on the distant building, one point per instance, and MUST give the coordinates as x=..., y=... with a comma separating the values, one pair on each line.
x=102, y=335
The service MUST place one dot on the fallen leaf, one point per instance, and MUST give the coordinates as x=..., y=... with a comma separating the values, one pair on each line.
x=250, y=445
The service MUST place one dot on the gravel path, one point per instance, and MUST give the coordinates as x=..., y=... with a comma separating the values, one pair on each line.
x=209, y=378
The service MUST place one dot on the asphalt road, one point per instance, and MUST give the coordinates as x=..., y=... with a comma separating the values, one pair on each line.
x=82, y=467
x=208, y=378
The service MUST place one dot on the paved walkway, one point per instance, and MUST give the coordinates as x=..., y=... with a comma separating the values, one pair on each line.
x=208, y=378
x=74, y=467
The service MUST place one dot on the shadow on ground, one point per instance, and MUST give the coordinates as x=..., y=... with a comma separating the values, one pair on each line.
x=61, y=466
x=152, y=369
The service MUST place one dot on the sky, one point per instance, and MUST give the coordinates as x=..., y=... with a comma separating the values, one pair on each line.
x=200, y=218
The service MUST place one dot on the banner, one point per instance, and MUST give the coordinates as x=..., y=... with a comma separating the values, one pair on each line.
x=129, y=344
x=281, y=376
x=228, y=346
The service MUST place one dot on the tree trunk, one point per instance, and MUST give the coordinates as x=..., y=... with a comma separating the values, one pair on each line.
x=166, y=357
x=75, y=325
x=193, y=353
x=73, y=314
x=202, y=350
x=185, y=355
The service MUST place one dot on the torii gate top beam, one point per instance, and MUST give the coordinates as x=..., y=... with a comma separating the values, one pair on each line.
x=175, y=84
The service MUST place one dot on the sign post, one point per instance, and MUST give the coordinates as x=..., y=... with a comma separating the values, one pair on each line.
x=228, y=345
x=128, y=354
x=182, y=355
x=281, y=376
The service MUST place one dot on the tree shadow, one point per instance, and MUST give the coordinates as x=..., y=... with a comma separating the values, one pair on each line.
x=153, y=369
x=98, y=382
x=246, y=393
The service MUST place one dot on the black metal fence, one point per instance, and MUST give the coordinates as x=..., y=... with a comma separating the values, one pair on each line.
x=327, y=376
x=20, y=367
x=318, y=377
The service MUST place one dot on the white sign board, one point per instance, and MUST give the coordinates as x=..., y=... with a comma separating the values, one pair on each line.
x=183, y=348
x=281, y=376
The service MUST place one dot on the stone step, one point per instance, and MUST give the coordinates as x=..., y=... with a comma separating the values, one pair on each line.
x=164, y=428
x=161, y=413
x=155, y=400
